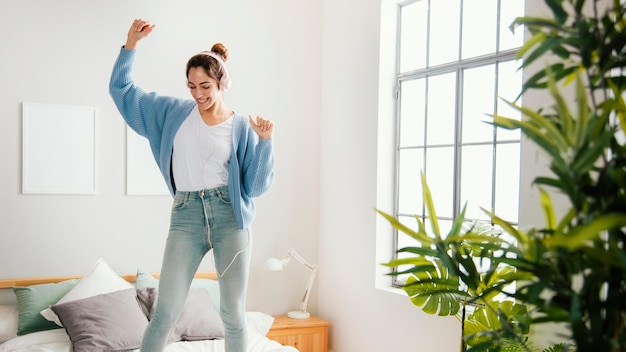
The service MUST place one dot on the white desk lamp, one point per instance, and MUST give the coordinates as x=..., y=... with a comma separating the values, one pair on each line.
x=276, y=264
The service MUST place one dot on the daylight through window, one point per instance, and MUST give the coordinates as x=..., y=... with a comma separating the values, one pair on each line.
x=455, y=62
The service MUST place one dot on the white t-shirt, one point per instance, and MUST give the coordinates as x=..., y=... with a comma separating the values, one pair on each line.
x=201, y=153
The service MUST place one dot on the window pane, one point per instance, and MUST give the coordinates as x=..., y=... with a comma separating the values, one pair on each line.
x=413, y=34
x=479, y=27
x=441, y=109
x=507, y=181
x=455, y=64
x=412, y=109
x=478, y=101
x=440, y=178
x=510, y=9
x=444, y=32
x=509, y=87
x=410, y=181
x=476, y=180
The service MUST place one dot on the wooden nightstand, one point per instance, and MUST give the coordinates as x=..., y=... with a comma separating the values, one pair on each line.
x=307, y=335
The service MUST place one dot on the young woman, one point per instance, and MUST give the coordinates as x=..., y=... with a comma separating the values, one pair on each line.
x=214, y=162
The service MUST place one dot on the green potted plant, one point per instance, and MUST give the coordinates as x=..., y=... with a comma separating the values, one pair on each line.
x=571, y=269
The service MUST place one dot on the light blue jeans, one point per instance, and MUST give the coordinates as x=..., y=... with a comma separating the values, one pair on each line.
x=201, y=221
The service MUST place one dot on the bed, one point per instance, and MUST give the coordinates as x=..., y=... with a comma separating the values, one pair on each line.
x=107, y=311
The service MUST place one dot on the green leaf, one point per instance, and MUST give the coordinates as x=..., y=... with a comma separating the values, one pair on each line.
x=566, y=220
x=566, y=120
x=585, y=161
x=579, y=235
x=422, y=237
x=531, y=21
x=419, y=251
x=540, y=123
x=547, y=45
x=529, y=44
x=548, y=209
x=583, y=114
x=618, y=105
x=508, y=228
x=549, y=181
x=435, y=293
x=492, y=317
x=558, y=11
x=552, y=141
x=457, y=225
x=424, y=265
x=430, y=207
x=532, y=132
x=604, y=256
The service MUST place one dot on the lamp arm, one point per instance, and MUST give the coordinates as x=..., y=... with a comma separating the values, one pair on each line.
x=292, y=253
x=313, y=271
x=309, y=285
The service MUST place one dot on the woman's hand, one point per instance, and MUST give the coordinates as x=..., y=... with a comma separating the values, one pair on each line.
x=262, y=127
x=138, y=30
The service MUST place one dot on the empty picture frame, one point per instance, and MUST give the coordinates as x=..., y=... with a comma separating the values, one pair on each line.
x=143, y=177
x=58, y=149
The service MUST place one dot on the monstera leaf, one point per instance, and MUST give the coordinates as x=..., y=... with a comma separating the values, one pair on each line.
x=487, y=320
x=432, y=288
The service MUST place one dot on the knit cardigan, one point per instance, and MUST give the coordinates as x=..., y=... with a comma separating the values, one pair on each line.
x=156, y=117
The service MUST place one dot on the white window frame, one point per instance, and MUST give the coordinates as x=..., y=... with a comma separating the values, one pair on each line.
x=388, y=143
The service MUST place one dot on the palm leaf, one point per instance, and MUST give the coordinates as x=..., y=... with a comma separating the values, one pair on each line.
x=565, y=116
x=585, y=160
x=430, y=207
x=583, y=114
x=548, y=209
x=520, y=236
x=618, y=105
x=581, y=234
x=420, y=236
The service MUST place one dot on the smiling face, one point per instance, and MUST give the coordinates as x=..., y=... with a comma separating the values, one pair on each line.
x=204, y=89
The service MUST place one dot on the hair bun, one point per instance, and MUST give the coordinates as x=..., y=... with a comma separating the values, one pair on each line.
x=220, y=49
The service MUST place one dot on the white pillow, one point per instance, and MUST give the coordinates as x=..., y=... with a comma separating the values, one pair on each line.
x=8, y=322
x=102, y=279
x=259, y=322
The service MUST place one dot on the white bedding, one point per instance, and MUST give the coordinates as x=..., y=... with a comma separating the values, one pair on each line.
x=104, y=311
x=57, y=340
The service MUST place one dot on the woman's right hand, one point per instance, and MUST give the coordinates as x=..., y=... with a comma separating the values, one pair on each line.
x=138, y=30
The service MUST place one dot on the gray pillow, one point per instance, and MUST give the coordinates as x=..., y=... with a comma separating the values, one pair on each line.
x=197, y=321
x=107, y=322
x=145, y=279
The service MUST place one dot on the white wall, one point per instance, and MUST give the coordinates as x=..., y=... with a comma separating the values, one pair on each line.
x=363, y=318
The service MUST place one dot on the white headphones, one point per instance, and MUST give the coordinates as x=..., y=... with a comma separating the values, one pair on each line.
x=225, y=80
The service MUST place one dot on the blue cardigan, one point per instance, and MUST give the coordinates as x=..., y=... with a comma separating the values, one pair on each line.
x=251, y=167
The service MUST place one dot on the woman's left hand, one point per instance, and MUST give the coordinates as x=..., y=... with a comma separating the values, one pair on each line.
x=264, y=128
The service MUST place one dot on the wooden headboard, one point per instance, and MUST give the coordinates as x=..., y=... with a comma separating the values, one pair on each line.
x=8, y=283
